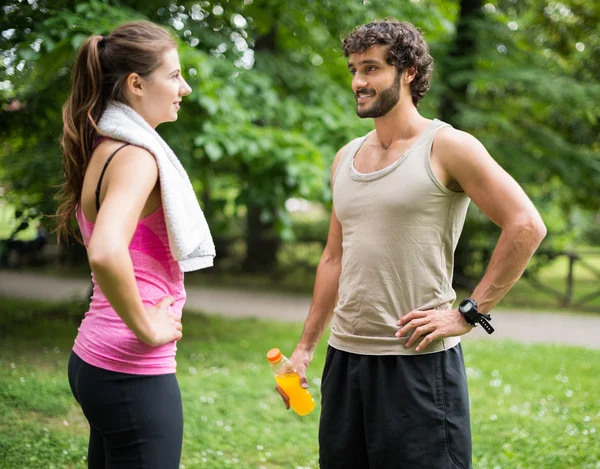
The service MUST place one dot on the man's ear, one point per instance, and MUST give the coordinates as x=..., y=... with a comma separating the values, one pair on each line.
x=133, y=83
x=409, y=74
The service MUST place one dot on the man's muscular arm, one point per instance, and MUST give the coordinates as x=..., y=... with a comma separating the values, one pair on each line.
x=462, y=163
x=324, y=294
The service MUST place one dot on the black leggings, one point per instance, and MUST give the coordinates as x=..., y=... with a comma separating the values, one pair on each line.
x=136, y=421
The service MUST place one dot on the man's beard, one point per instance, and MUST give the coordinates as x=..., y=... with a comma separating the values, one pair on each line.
x=387, y=99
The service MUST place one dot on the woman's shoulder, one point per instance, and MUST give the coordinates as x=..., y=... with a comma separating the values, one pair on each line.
x=105, y=147
x=123, y=162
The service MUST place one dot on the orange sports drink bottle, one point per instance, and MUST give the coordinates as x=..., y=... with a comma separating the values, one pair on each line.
x=288, y=379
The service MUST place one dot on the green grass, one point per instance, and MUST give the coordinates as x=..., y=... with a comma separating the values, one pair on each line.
x=532, y=406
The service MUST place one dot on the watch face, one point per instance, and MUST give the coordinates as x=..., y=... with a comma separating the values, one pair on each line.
x=466, y=306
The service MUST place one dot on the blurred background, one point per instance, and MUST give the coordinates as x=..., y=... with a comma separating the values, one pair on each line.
x=270, y=107
x=272, y=104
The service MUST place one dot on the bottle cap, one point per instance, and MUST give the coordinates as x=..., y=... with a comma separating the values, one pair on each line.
x=274, y=355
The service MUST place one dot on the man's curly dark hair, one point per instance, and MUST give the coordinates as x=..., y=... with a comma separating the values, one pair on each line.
x=406, y=48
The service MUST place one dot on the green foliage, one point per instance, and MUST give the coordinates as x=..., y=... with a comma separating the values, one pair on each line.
x=591, y=232
x=272, y=103
x=40, y=56
x=528, y=99
x=532, y=100
x=311, y=229
x=531, y=405
x=271, y=97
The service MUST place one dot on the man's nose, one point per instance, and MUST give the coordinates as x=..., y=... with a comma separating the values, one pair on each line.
x=359, y=82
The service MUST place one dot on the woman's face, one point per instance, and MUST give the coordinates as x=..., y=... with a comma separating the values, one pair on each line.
x=162, y=91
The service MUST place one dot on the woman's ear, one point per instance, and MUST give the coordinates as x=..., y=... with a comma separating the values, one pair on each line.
x=133, y=84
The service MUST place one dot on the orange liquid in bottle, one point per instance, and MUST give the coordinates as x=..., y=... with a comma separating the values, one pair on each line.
x=300, y=399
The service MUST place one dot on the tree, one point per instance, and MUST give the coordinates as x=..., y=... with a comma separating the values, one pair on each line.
x=272, y=101
x=295, y=53
x=260, y=117
x=516, y=78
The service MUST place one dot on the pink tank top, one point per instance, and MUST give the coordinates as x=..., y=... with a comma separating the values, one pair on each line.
x=103, y=339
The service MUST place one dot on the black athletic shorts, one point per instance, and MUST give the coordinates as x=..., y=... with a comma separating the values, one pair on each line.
x=395, y=411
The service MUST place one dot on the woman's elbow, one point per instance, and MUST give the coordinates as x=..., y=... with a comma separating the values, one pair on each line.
x=102, y=256
x=98, y=260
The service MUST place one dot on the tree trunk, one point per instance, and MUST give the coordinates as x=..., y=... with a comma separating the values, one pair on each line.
x=262, y=242
x=462, y=57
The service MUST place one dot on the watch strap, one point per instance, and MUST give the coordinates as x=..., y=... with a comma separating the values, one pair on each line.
x=474, y=317
x=484, y=321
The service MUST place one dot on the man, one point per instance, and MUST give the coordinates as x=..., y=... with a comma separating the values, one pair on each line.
x=394, y=391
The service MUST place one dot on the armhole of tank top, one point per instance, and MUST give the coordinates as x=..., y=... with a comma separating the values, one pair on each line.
x=428, y=167
x=352, y=149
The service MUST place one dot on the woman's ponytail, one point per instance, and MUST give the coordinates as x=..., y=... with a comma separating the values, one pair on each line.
x=81, y=114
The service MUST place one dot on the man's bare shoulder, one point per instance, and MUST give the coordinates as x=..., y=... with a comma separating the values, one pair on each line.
x=451, y=142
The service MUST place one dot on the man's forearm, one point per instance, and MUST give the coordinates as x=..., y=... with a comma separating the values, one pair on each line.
x=323, y=302
x=515, y=247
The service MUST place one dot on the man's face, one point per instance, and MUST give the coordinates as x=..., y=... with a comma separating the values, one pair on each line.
x=376, y=84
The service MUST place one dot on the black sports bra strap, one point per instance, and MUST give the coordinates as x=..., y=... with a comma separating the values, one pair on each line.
x=102, y=176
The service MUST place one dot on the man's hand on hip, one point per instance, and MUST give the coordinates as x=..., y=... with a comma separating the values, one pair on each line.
x=432, y=325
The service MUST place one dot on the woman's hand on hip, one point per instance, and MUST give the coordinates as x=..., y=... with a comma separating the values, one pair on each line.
x=165, y=325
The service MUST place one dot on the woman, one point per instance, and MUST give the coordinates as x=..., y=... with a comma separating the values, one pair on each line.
x=122, y=368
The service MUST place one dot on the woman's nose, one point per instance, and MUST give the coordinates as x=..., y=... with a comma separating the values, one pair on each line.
x=185, y=88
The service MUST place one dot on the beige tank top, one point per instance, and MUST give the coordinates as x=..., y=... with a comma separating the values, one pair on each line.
x=400, y=227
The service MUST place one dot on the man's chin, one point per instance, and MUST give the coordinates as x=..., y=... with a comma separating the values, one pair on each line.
x=365, y=113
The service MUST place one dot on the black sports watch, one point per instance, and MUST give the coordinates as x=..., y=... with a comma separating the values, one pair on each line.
x=468, y=309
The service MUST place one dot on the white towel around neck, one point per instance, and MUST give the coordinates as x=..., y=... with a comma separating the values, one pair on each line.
x=189, y=236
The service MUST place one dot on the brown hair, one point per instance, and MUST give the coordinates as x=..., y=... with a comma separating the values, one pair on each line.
x=406, y=49
x=100, y=72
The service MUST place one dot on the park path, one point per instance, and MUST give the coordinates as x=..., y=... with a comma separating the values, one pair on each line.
x=569, y=328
